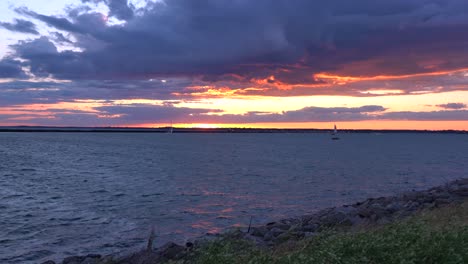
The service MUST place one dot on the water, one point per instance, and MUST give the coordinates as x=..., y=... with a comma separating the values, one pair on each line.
x=65, y=194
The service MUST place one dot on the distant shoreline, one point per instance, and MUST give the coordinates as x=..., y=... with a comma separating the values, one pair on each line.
x=209, y=130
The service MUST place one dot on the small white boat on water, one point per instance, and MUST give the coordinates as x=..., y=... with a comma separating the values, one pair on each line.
x=171, y=129
x=335, y=133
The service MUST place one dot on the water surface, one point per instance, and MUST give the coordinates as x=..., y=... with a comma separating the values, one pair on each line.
x=76, y=193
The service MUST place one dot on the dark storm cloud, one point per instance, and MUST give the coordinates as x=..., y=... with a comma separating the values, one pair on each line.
x=292, y=39
x=452, y=106
x=142, y=113
x=307, y=114
x=335, y=114
x=10, y=68
x=453, y=115
x=27, y=92
x=109, y=115
x=21, y=25
x=60, y=38
x=52, y=21
x=138, y=114
x=113, y=115
x=121, y=9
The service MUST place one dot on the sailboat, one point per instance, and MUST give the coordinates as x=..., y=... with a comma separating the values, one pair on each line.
x=335, y=133
x=171, y=129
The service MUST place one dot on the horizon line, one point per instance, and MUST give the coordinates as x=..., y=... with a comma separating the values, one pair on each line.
x=45, y=128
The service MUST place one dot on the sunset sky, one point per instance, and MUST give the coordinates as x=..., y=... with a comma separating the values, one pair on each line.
x=399, y=64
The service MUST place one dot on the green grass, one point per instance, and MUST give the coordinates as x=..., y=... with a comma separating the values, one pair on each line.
x=438, y=236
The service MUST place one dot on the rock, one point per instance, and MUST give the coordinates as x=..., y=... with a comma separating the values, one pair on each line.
x=310, y=228
x=236, y=234
x=333, y=219
x=393, y=207
x=73, y=260
x=364, y=212
x=459, y=190
x=412, y=205
x=282, y=238
x=290, y=221
x=258, y=241
x=377, y=211
x=171, y=250
x=259, y=231
x=90, y=261
x=141, y=257
x=189, y=245
x=289, y=236
x=273, y=233
x=93, y=256
x=442, y=201
x=279, y=226
x=309, y=234
x=462, y=182
x=48, y=262
x=306, y=219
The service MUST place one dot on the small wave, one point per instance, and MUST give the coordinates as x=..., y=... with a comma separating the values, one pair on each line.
x=100, y=191
x=28, y=169
x=71, y=219
x=151, y=194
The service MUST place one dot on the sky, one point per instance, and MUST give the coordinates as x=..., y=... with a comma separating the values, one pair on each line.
x=364, y=64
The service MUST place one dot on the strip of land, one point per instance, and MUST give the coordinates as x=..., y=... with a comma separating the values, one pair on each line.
x=206, y=130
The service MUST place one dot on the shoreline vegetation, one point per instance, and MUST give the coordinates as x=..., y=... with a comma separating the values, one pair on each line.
x=210, y=130
x=429, y=226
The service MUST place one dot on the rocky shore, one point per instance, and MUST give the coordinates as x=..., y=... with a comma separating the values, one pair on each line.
x=373, y=211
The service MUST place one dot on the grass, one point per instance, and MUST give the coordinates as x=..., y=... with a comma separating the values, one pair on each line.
x=437, y=236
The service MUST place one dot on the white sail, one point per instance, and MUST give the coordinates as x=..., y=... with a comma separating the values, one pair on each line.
x=335, y=132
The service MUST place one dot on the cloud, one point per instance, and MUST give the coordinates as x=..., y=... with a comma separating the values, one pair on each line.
x=121, y=9
x=453, y=115
x=21, y=25
x=307, y=114
x=10, y=68
x=106, y=113
x=228, y=48
x=452, y=106
x=60, y=38
x=52, y=21
x=48, y=91
x=257, y=39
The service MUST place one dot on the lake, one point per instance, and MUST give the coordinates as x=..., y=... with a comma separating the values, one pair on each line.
x=67, y=194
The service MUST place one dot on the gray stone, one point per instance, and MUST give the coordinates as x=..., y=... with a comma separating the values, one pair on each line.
x=279, y=226
x=90, y=261
x=273, y=233
x=460, y=190
x=443, y=201
x=393, y=207
x=142, y=257
x=310, y=228
x=259, y=231
x=73, y=260
x=258, y=241
x=334, y=219
x=309, y=234
x=171, y=250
